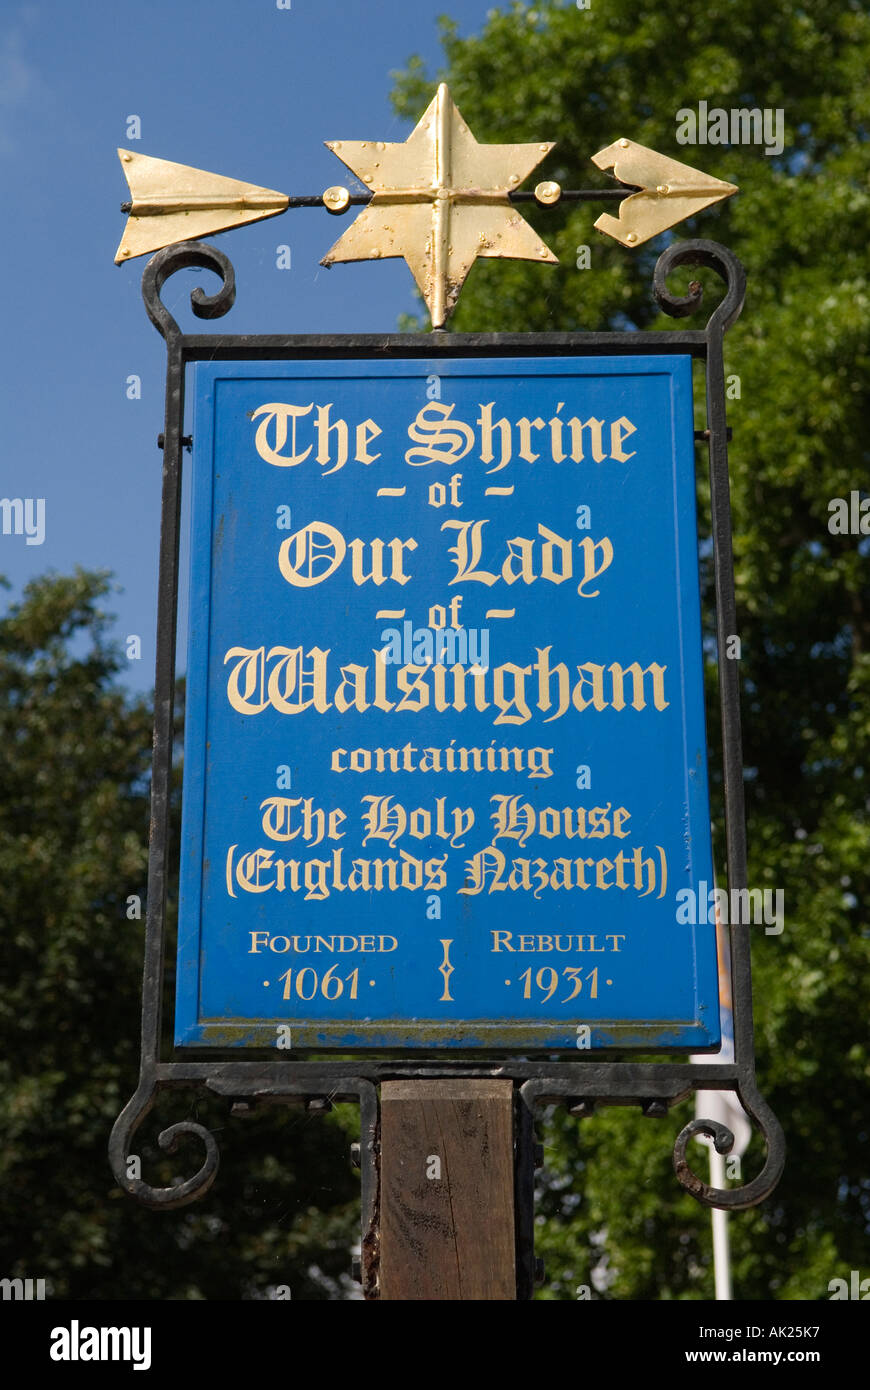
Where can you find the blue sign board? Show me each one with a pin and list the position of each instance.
(445, 779)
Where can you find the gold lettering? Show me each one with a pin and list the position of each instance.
(380, 700)
(577, 427)
(544, 674)
(638, 702)
(620, 430)
(436, 875)
(252, 664)
(365, 432)
(282, 868)
(383, 820)
(486, 864)
(525, 427)
(551, 540)
(277, 819)
(466, 559)
(280, 414)
(561, 877)
(556, 450)
(307, 551)
(589, 548)
(486, 429)
(290, 666)
(524, 555)
(249, 867)
(417, 687)
(518, 699)
(601, 868)
(442, 439)
(324, 429)
(376, 573)
(589, 671)
(519, 878)
(355, 676)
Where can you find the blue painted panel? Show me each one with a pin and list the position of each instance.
(445, 757)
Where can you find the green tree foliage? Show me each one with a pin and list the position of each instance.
(73, 835)
(613, 1215)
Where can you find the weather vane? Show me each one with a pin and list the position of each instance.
(438, 200)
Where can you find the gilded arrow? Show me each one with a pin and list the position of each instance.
(439, 200)
(669, 192)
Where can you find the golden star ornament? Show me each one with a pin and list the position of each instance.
(440, 200)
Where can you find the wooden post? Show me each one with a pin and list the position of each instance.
(447, 1228)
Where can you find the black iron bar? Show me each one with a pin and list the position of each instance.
(568, 195)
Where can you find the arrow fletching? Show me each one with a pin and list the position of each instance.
(174, 202)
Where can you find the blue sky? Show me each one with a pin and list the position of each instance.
(238, 87)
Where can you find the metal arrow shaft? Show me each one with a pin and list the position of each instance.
(359, 200)
(189, 202)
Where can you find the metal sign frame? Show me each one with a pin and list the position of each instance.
(591, 1078)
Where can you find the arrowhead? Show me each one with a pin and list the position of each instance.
(671, 192)
(174, 202)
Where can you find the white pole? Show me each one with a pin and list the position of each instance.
(721, 1250)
